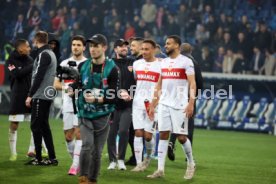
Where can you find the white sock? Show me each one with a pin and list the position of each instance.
(31, 147)
(44, 146)
(149, 147)
(138, 149)
(70, 147)
(162, 153)
(187, 148)
(76, 156)
(12, 141)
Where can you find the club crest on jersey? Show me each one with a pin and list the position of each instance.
(146, 70)
(130, 68)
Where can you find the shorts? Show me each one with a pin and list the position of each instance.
(70, 120)
(173, 120)
(20, 117)
(141, 120)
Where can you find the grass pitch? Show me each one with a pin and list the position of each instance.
(222, 157)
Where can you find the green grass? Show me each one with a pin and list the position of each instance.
(222, 158)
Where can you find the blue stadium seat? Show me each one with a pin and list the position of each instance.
(257, 113)
(266, 122)
(240, 112)
(200, 105)
(225, 113)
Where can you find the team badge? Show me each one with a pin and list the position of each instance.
(130, 68)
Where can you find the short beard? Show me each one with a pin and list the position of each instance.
(169, 52)
(122, 55)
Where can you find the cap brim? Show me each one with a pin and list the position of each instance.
(92, 41)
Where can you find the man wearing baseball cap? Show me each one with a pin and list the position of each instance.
(122, 114)
(99, 80)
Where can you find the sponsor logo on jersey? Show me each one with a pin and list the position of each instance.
(147, 76)
(173, 73)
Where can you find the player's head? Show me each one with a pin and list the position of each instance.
(120, 48)
(41, 38)
(78, 45)
(173, 44)
(97, 46)
(136, 46)
(148, 49)
(22, 46)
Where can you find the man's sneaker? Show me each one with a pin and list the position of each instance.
(156, 174)
(31, 155)
(190, 171)
(138, 168)
(34, 162)
(171, 154)
(121, 165)
(131, 161)
(49, 162)
(13, 157)
(73, 171)
(112, 166)
(146, 163)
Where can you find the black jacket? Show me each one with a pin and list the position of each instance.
(127, 80)
(20, 81)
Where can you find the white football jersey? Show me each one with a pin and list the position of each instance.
(67, 105)
(147, 75)
(175, 85)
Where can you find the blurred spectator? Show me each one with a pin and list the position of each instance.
(73, 18)
(206, 61)
(201, 35)
(218, 37)
(194, 18)
(244, 45)
(211, 26)
(113, 18)
(219, 60)
(182, 19)
(227, 41)
(96, 27)
(148, 12)
(242, 26)
(141, 28)
(240, 65)
(20, 27)
(206, 14)
(257, 61)
(35, 20)
(129, 31)
(270, 63)
(31, 10)
(65, 40)
(263, 37)
(228, 61)
(222, 21)
(20, 8)
(148, 35)
(76, 29)
(171, 28)
(160, 19)
(57, 20)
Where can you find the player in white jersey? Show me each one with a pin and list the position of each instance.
(70, 120)
(177, 80)
(147, 72)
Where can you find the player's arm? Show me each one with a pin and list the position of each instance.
(155, 99)
(192, 96)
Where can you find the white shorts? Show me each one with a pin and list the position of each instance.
(70, 120)
(20, 117)
(141, 120)
(173, 120)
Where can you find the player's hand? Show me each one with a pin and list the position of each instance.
(189, 110)
(151, 112)
(28, 102)
(89, 98)
(125, 96)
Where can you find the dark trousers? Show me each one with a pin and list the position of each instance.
(41, 128)
(93, 135)
(120, 126)
(190, 132)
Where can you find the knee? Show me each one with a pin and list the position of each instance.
(86, 145)
(139, 133)
(182, 139)
(123, 133)
(164, 135)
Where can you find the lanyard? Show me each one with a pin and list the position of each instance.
(92, 74)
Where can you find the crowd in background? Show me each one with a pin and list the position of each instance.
(237, 36)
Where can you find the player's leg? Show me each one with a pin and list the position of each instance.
(13, 140)
(138, 124)
(164, 127)
(74, 169)
(180, 127)
(68, 128)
